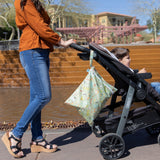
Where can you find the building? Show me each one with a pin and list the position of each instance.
(63, 19)
(114, 19)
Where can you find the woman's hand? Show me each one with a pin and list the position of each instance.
(66, 43)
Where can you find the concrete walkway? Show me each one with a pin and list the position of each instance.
(81, 144)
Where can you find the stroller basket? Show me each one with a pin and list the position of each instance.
(137, 119)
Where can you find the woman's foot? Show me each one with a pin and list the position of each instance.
(13, 145)
(42, 146)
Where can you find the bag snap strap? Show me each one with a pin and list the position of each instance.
(91, 57)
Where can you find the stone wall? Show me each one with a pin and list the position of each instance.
(66, 68)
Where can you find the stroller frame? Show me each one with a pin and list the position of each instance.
(111, 127)
(126, 110)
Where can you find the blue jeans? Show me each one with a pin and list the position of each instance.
(156, 86)
(36, 65)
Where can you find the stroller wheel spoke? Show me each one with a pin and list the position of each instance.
(112, 140)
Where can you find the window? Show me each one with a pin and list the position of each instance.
(113, 21)
(68, 21)
(85, 23)
(103, 21)
(80, 23)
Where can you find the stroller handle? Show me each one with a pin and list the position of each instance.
(79, 48)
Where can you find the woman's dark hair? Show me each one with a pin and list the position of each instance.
(37, 4)
(120, 52)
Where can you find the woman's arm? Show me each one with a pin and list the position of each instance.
(36, 23)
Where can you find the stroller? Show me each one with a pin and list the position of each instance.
(132, 87)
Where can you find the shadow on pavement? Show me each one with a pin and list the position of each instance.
(139, 138)
(76, 135)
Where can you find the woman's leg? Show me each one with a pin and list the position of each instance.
(36, 122)
(35, 64)
(36, 127)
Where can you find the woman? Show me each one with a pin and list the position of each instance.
(36, 42)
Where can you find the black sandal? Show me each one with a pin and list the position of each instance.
(7, 141)
(38, 147)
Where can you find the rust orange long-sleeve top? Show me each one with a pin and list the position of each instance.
(36, 32)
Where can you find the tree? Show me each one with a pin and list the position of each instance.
(55, 8)
(7, 14)
(154, 25)
(12, 28)
(149, 8)
(58, 8)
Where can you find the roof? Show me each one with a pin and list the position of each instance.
(104, 13)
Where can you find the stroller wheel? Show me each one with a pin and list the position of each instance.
(112, 146)
(97, 130)
(153, 130)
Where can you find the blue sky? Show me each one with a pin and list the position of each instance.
(115, 6)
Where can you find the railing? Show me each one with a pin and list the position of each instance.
(98, 34)
(9, 45)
